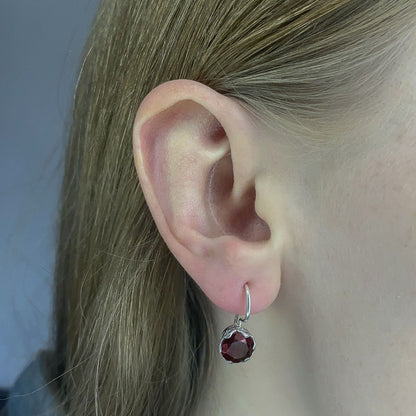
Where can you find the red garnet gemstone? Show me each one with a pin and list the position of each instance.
(237, 348)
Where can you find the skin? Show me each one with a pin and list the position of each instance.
(331, 265)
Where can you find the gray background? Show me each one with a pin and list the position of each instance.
(41, 43)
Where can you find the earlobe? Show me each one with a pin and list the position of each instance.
(197, 167)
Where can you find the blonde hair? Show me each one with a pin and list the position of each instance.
(134, 334)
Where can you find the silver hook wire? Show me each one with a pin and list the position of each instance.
(237, 319)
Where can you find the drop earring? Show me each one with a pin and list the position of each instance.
(237, 344)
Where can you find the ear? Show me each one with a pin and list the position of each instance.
(196, 155)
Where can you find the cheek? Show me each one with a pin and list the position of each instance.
(387, 197)
(365, 259)
(382, 224)
(376, 222)
(367, 236)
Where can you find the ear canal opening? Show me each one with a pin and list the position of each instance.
(238, 218)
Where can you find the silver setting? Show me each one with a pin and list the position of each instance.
(237, 327)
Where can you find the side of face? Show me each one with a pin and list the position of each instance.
(357, 284)
(338, 230)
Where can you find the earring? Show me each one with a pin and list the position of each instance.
(237, 344)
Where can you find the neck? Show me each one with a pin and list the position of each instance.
(313, 358)
(275, 380)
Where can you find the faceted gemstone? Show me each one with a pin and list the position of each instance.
(237, 348)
